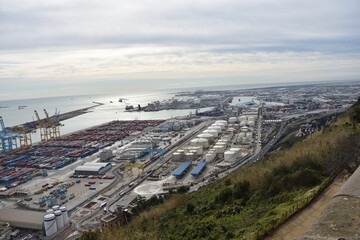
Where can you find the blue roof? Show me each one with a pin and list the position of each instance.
(198, 168)
(181, 169)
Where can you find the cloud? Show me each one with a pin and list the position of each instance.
(64, 44)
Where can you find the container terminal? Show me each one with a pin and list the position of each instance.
(63, 186)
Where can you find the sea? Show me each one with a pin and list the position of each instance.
(111, 109)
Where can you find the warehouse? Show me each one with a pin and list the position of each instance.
(22, 218)
(92, 169)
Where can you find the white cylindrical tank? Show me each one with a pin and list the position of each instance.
(209, 157)
(190, 157)
(207, 136)
(251, 123)
(64, 215)
(213, 132)
(203, 142)
(242, 134)
(181, 151)
(229, 156)
(50, 224)
(55, 208)
(222, 121)
(59, 220)
(219, 148)
(243, 123)
(242, 118)
(249, 135)
(177, 156)
(222, 126)
(232, 119)
(49, 211)
(251, 118)
(237, 126)
(244, 129)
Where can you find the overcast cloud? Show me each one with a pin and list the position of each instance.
(57, 47)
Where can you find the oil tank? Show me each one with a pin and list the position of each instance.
(190, 157)
(207, 136)
(203, 142)
(232, 119)
(242, 118)
(209, 157)
(50, 211)
(219, 148)
(249, 135)
(50, 224)
(177, 157)
(243, 123)
(242, 135)
(64, 215)
(244, 129)
(55, 208)
(59, 219)
(251, 123)
(229, 156)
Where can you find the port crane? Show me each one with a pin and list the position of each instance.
(55, 125)
(25, 136)
(45, 130)
(129, 166)
(8, 139)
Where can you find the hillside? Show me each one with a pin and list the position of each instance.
(252, 200)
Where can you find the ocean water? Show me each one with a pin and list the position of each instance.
(13, 116)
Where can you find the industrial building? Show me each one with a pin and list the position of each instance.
(22, 218)
(93, 169)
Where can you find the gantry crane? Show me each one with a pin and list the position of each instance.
(129, 166)
(55, 125)
(25, 136)
(8, 140)
(45, 131)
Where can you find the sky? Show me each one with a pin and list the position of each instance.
(70, 47)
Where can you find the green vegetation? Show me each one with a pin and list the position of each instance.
(255, 197)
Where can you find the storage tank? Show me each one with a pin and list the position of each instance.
(219, 148)
(243, 123)
(213, 132)
(64, 215)
(50, 224)
(237, 126)
(55, 208)
(50, 211)
(59, 219)
(181, 151)
(242, 118)
(244, 129)
(222, 126)
(177, 156)
(251, 123)
(190, 157)
(232, 119)
(242, 134)
(207, 136)
(229, 156)
(249, 135)
(198, 150)
(203, 142)
(209, 157)
(222, 122)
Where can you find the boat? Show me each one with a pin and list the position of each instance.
(120, 99)
(111, 101)
(129, 107)
(21, 107)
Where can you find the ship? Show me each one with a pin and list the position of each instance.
(130, 107)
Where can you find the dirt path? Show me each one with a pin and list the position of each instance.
(297, 225)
